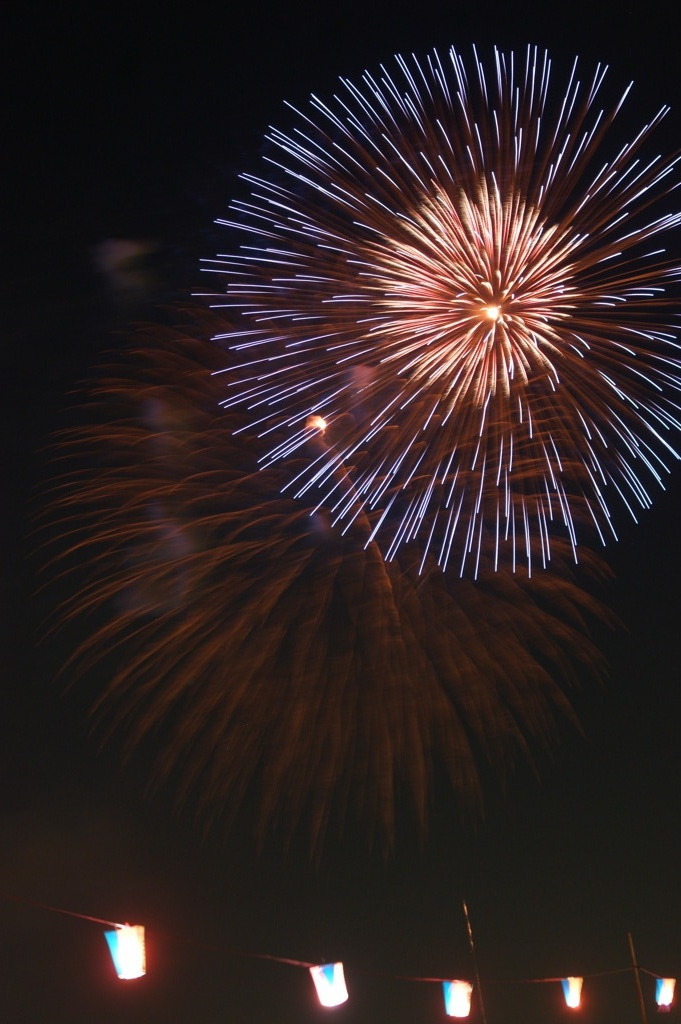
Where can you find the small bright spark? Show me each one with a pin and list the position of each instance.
(316, 423)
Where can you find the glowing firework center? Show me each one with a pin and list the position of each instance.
(470, 302)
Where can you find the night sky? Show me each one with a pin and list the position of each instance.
(136, 125)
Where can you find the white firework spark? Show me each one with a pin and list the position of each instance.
(460, 273)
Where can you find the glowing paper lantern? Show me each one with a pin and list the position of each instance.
(572, 987)
(329, 981)
(126, 945)
(457, 998)
(664, 993)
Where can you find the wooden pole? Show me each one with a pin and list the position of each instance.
(471, 944)
(637, 980)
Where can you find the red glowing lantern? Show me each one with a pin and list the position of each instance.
(126, 945)
(457, 998)
(664, 993)
(329, 980)
(572, 988)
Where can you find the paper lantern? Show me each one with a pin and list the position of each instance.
(126, 945)
(572, 987)
(664, 993)
(329, 981)
(457, 998)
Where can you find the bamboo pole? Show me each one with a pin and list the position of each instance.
(637, 980)
(471, 944)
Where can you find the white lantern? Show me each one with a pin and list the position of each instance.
(664, 993)
(457, 998)
(329, 980)
(126, 945)
(572, 988)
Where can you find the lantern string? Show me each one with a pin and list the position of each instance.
(520, 981)
(60, 910)
(176, 938)
(541, 981)
(233, 951)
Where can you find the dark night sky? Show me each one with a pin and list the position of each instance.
(136, 125)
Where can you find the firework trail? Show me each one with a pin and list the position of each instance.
(461, 270)
(252, 653)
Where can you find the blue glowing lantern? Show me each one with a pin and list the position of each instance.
(457, 998)
(126, 945)
(572, 988)
(329, 980)
(664, 993)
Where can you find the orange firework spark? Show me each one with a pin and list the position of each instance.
(249, 647)
(461, 271)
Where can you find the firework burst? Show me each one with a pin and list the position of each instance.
(460, 270)
(251, 652)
